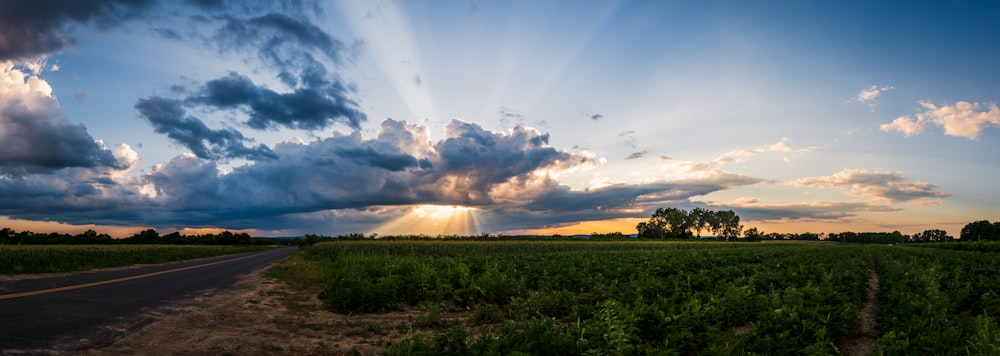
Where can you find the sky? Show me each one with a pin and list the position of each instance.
(514, 117)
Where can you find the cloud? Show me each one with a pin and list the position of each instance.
(80, 96)
(509, 175)
(888, 186)
(278, 38)
(636, 155)
(36, 135)
(310, 108)
(905, 125)
(169, 117)
(509, 117)
(29, 29)
(753, 210)
(741, 155)
(868, 95)
(962, 119)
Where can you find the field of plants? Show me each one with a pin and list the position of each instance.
(18, 259)
(640, 297)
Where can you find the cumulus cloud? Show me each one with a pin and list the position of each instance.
(35, 133)
(509, 175)
(888, 186)
(33, 28)
(169, 117)
(741, 155)
(962, 119)
(905, 125)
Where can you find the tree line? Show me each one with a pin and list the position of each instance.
(149, 236)
(981, 230)
(673, 223)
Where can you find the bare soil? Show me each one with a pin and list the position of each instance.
(863, 341)
(260, 315)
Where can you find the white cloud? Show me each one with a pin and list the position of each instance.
(962, 119)
(868, 95)
(890, 187)
(907, 126)
(741, 155)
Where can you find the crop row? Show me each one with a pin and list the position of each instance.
(939, 301)
(17, 259)
(555, 297)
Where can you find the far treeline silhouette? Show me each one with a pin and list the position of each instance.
(673, 223)
(665, 223)
(145, 237)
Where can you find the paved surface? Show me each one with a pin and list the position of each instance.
(109, 303)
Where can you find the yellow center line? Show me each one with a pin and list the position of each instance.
(92, 284)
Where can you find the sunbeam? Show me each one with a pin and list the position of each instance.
(433, 220)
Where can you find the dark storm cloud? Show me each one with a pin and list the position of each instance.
(483, 158)
(31, 28)
(303, 108)
(339, 180)
(296, 51)
(168, 117)
(562, 199)
(72, 195)
(206, 4)
(369, 157)
(277, 37)
(36, 136)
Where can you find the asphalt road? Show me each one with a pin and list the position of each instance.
(92, 309)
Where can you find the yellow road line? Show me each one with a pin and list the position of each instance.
(85, 285)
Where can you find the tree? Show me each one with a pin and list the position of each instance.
(934, 235)
(753, 234)
(678, 223)
(978, 231)
(700, 219)
(666, 223)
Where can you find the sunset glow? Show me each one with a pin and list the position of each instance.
(433, 220)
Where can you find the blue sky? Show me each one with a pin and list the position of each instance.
(496, 116)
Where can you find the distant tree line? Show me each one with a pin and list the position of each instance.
(673, 223)
(149, 236)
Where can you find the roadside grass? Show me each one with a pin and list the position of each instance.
(31, 259)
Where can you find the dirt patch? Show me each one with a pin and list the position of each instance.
(742, 329)
(261, 315)
(864, 339)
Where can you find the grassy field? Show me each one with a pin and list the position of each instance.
(22, 259)
(636, 297)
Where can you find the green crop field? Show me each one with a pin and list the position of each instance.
(639, 297)
(19, 259)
